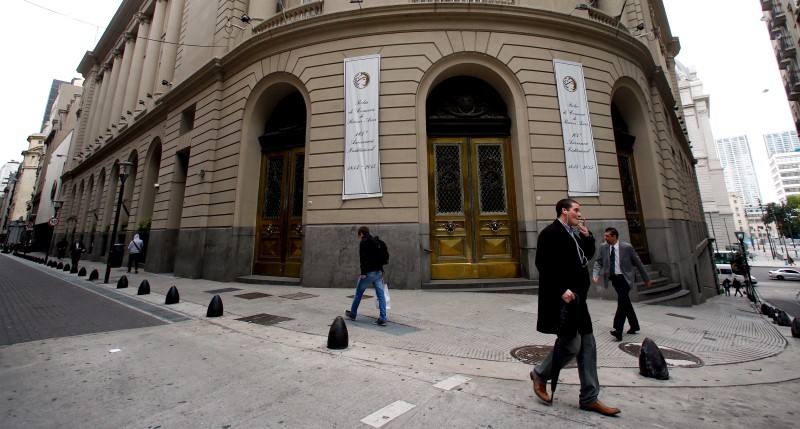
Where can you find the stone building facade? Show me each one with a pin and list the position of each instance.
(237, 111)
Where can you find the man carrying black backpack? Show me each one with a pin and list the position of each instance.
(373, 255)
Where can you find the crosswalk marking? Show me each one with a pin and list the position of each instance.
(387, 413)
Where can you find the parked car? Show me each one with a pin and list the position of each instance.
(724, 271)
(784, 274)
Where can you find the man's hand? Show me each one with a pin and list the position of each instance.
(568, 296)
(582, 228)
(363, 276)
(596, 279)
(648, 284)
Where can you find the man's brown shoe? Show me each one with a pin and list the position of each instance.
(540, 389)
(599, 407)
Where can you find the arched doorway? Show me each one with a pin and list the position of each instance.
(631, 198)
(279, 221)
(470, 180)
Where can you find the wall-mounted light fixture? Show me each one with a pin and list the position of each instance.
(149, 95)
(128, 112)
(166, 82)
(141, 102)
(201, 173)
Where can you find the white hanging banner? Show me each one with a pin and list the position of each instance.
(362, 164)
(576, 127)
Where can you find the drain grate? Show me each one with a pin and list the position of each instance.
(681, 316)
(253, 295)
(362, 296)
(299, 295)
(534, 355)
(227, 289)
(672, 356)
(264, 319)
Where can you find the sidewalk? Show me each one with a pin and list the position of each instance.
(474, 333)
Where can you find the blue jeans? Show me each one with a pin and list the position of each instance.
(373, 278)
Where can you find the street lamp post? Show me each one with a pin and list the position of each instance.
(57, 206)
(749, 282)
(123, 174)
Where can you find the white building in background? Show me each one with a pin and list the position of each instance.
(710, 175)
(785, 172)
(740, 173)
(782, 142)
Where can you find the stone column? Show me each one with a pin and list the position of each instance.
(169, 52)
(122, 83)
(150, 66)
(105, 124)
(89, 109)
(100, 104)
(135, 78)
(260, 10)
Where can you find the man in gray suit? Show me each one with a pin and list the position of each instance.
(617, 262)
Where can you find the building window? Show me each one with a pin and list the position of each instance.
(187, 119)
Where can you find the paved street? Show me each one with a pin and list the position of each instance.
(36, 304)
(225, 372)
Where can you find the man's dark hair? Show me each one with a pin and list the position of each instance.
(613, 232)
(363, 230)
(566, 203)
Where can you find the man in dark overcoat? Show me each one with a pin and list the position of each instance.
(563, 252)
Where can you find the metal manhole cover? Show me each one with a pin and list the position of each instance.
(672, 356)
(299, 295)
(362, 296)
(264, 319)
(227, 289)
(253, 295)
(533, 355)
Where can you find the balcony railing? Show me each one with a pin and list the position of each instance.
(778, 15)
(299, 13)
(787, 46)
(766, 5)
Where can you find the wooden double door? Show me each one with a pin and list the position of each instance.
(279, 229)
(473, 222)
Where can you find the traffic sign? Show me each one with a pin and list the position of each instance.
(53, 221)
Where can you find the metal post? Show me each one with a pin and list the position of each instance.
(57, 205)
(123, 166)
(711, 221)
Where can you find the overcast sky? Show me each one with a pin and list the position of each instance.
(723, 39)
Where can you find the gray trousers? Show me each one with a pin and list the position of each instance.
(584, 348)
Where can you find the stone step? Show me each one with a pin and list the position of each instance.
(269, 280)
(482, 285)
(524, 290)
(655, 290)
(679, 298)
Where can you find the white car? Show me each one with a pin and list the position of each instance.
(784, 274)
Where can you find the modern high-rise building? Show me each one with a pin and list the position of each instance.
(696, 106)
(740, 173)
(785, 172)
(781, 142)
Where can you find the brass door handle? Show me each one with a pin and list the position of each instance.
(494, 225)
(298, 228)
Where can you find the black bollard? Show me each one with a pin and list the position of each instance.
(60, 265)
(66, 267)
(122, 283)
(94, 275)
(796, 327)
(215, 307)
(337, 337)
(651, 361)
(173, 297)
(82, 272)
(144, 288)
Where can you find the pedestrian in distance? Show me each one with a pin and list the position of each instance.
(134, 251)
(726, 284)
(737, 285)
(61, 248)
(617, 263)
(371, 274)
(563, 251)
(75, 251)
